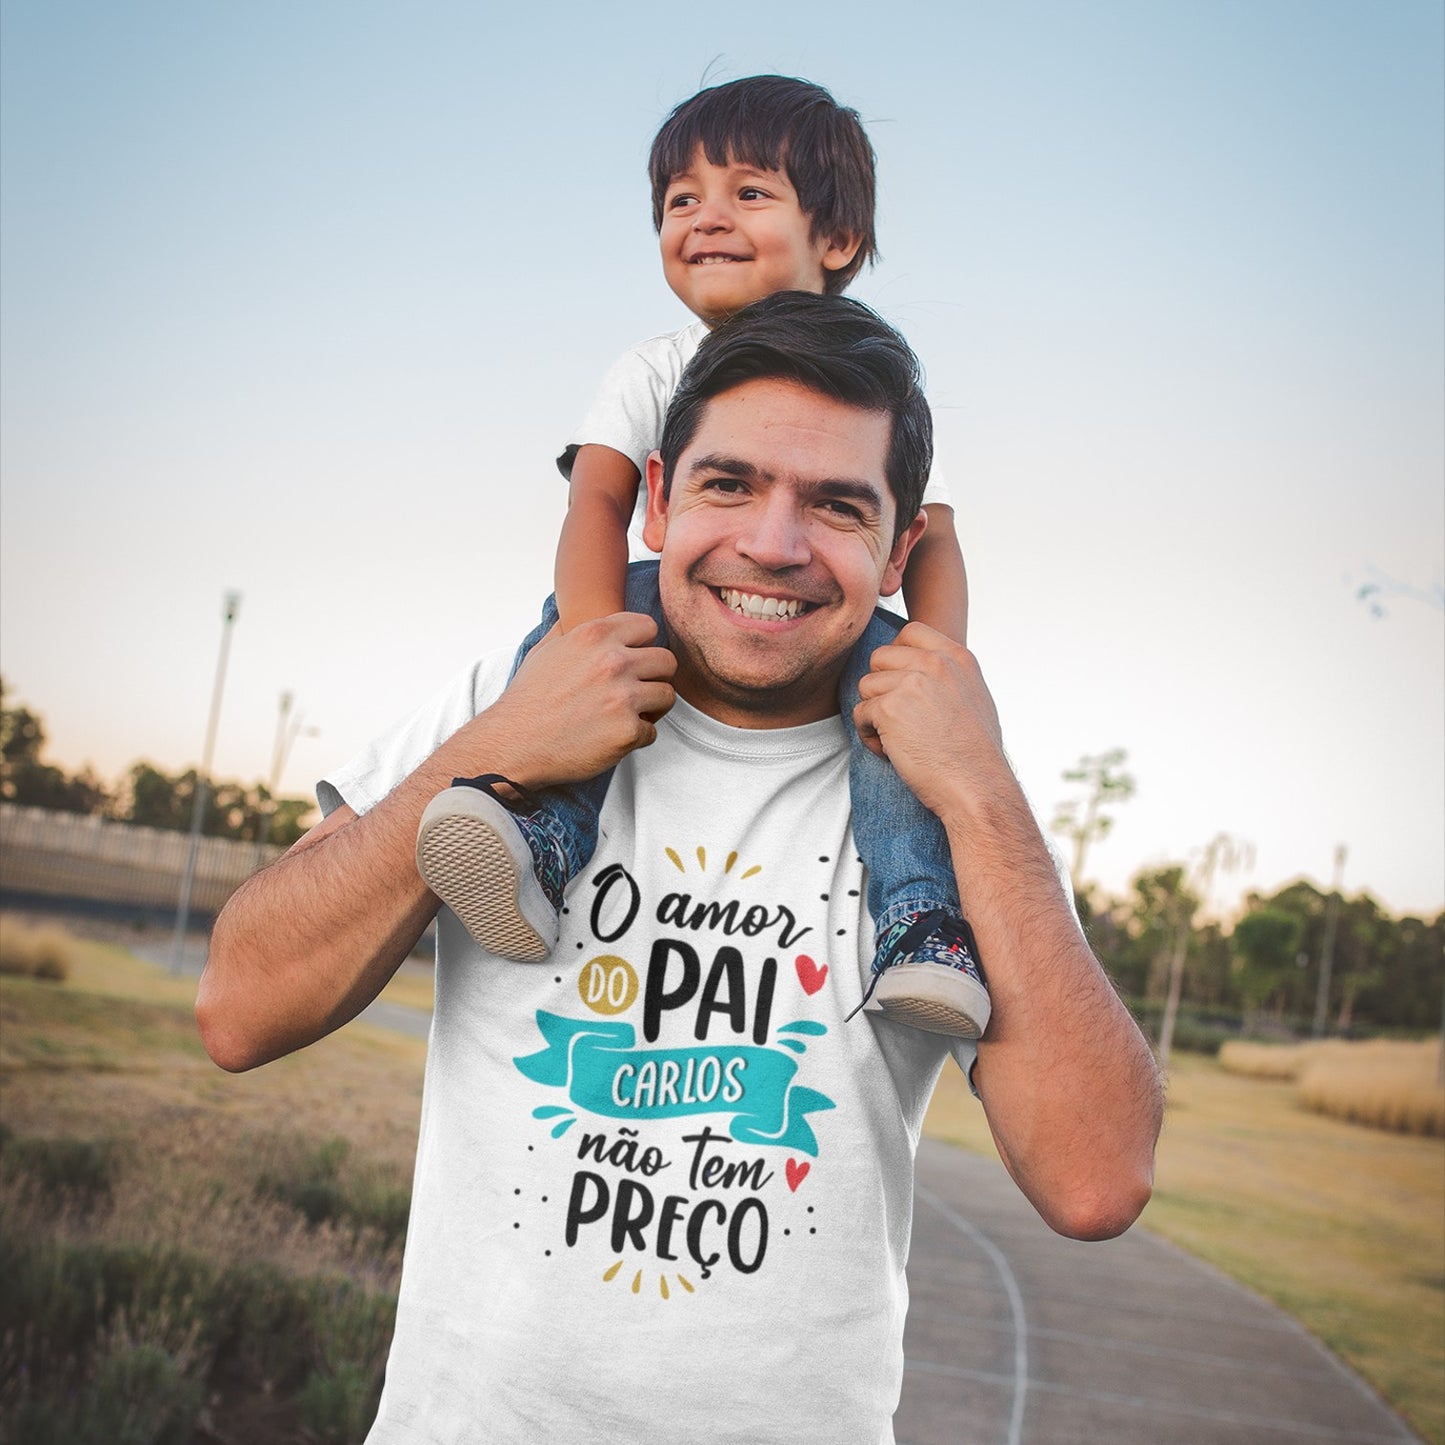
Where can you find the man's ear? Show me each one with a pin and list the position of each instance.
(892, 578)
(654, 527)
(841, 250)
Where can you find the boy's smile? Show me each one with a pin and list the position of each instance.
(776, 541)
(733, 234)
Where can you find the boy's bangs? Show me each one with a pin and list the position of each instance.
(734, 142)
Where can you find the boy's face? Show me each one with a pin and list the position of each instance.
(733, 234)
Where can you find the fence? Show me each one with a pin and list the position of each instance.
(68, 860)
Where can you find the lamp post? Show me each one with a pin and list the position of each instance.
(286, 735)
(231, 604)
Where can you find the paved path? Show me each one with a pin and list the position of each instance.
(1018, 1337)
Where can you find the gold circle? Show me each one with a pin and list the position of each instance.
(607, 984)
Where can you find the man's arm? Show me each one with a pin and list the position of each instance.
(1070, 1088)
(306, 944)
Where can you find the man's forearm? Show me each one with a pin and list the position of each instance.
(306, 944)
(1068, 1083)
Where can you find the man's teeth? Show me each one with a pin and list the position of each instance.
(759, 609)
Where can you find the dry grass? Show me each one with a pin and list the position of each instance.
(1381, 1083)
(267, 1189)
(1264, 1061)
(1387, 1086)
(99, 965)
(31, 951)
(1343, 1227)
(193, 1141)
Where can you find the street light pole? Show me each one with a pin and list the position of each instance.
(286, 735)
(230, 606)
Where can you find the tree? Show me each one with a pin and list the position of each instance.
(26, 780)
(1164, 912)
(1266, 943)
(1106, 782)
(146, 796)
(1222, 851)
(154, 799)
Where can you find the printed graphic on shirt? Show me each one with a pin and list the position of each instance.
(697, 1012)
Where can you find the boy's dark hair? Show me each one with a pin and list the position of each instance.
(833, 344)
(780, 124)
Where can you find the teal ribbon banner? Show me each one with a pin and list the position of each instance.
(603, 1071)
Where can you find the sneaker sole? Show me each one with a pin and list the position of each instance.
(466, 862)
(934, 998)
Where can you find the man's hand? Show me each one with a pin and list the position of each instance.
(583, 700)
(925, 707)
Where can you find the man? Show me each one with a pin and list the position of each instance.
(664, 1188)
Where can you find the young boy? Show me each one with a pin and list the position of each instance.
(759, 186)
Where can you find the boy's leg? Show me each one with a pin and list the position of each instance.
(501, 858)
(926, 970)
(568, 815)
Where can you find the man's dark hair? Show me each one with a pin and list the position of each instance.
(780, 124)
(830, 343)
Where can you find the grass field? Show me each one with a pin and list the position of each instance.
(1341, 1225)
(191, 1256)
(1388, 1083)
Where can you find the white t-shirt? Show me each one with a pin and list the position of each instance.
(663, 1192)
(629, 409)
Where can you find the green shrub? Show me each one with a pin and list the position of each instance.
(119, 1344)
(338, 1407)
(310, 1179)
(80, 1170)
(139, 1396)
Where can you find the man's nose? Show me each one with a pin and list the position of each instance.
(773, 534)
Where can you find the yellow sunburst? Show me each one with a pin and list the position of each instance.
(676, 859)
(612, 1271)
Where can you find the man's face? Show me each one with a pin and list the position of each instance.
(776, 542)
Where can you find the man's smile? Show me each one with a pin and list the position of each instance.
(760, 607)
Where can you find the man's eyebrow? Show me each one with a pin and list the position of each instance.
(849, 489)
(738, 467)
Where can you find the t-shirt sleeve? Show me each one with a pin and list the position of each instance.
(397, 753)
(627, 412)
(937, 492)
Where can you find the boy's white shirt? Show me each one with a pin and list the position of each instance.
(627, 414)
(713, 839)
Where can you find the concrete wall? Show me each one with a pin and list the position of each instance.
(45, 854)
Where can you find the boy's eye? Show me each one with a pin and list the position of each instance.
(752, 193)
(679, 201)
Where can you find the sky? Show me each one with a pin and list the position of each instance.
(302, 300)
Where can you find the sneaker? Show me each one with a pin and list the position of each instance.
(492, 868)
(935, 984)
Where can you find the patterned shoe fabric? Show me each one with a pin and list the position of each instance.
(477, 857)
(929, 976)
(548, 864)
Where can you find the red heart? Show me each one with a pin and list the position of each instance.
(810, 974)
(796, 1174)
